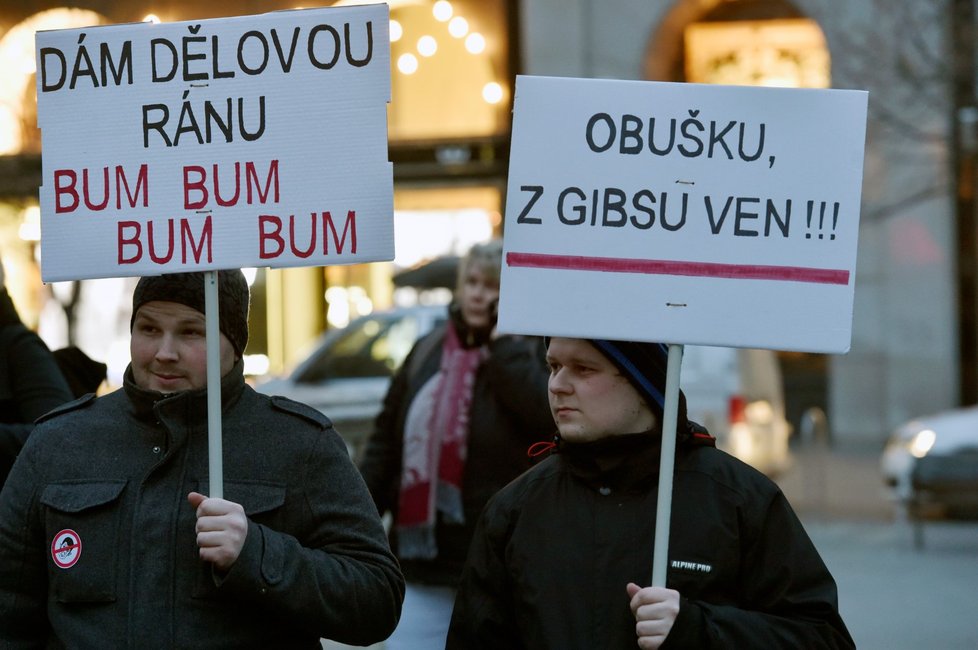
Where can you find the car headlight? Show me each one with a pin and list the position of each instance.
(921, 443)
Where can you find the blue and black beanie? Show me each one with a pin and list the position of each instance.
(644, 366)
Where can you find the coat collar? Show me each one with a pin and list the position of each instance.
(151, 405)
(624, 462)
(627, 462)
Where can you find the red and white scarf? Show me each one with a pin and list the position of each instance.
(435, 444)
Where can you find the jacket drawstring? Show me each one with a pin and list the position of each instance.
(541, 447)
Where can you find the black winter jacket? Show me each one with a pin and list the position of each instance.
(556, 548)
(31, 383)
(509, 412)
(113, 473)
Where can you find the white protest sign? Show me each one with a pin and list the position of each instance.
(212, 144)
(683, 213)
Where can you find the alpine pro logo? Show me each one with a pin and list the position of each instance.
(66, 548)
(692, 567)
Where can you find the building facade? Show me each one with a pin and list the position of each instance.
(904, 359)
(449, 119)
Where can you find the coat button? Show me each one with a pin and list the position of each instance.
(604, 490)
(157, 450)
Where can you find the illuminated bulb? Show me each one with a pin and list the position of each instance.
(442, 10)
(151, 18)
(922, 443)
(427, 45)
(458, 27)
(255, 364)
(30, 229)
(407, 63)
(760, 411)
(492, 92)
(396, 31)
(475, 43)
(364, 305)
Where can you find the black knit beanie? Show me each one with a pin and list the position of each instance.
(644, 366)
(188, 289)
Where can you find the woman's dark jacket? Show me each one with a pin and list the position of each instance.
(509, 412)
(556, 548)
(31, 384)
(117, 469)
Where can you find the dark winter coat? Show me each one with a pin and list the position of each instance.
(509, 412)
(556, 548)
(113, 474)
(31, 384)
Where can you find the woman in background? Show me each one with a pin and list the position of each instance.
(455, 427)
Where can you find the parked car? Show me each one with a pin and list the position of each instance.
(930, 463)
(736, 394)
(347, 374)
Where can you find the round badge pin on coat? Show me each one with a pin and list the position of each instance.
(66, 548)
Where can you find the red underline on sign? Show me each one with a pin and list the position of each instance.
(668, 267)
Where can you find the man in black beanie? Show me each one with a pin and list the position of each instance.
(559, 553)
(107, 539)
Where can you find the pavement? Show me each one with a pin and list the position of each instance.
(895, 596)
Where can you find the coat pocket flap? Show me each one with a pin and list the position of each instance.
(254, 496)
(75, 497)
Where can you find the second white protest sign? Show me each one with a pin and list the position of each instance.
(683, 213)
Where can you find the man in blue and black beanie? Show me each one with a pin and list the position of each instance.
(560, 553)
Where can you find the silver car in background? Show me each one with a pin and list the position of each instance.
(347, 374)
(930, 464)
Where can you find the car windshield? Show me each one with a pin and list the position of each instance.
(371, 347)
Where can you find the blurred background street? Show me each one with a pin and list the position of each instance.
(894, 597)
(891, 595)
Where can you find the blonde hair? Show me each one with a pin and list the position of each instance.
(488, 256)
